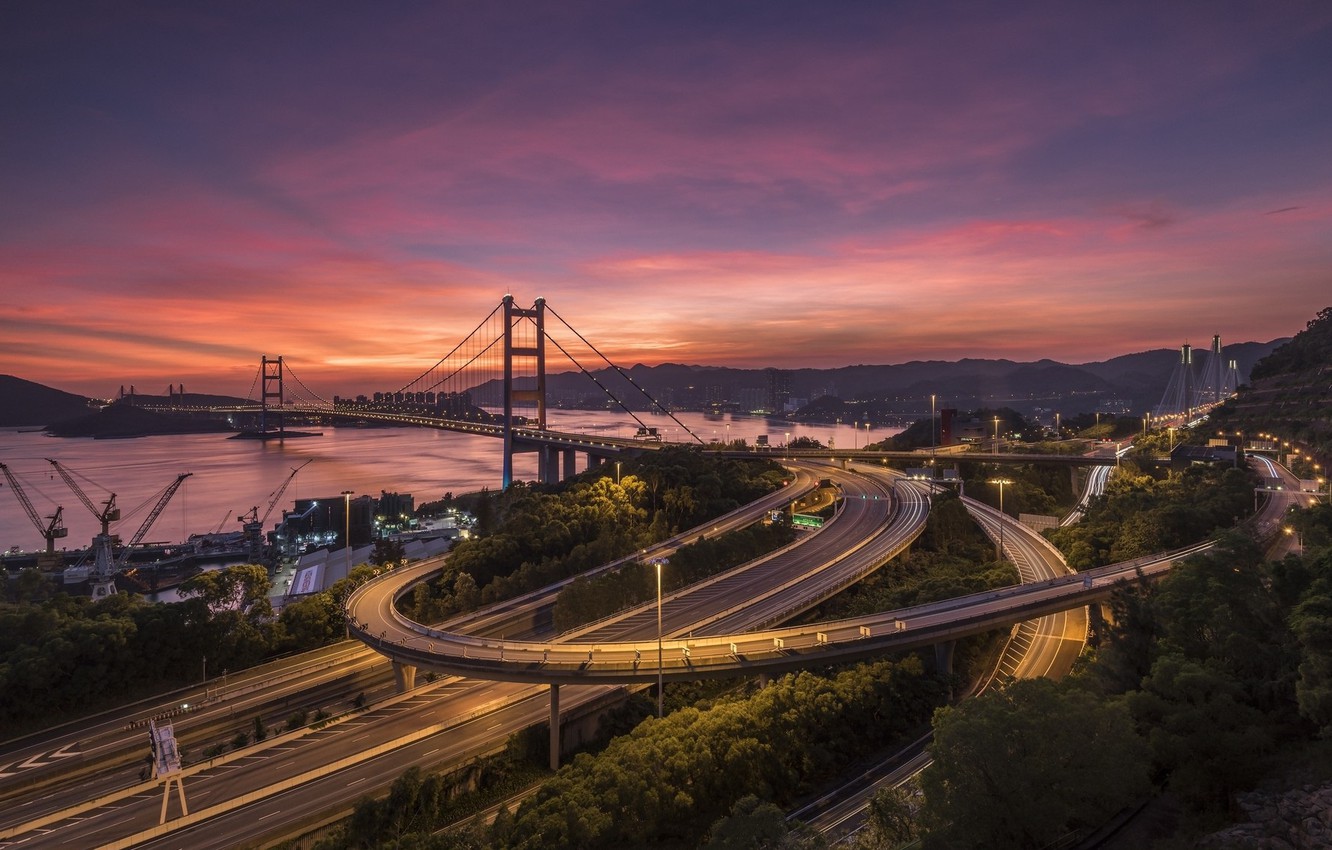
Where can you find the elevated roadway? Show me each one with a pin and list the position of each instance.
(772, 651)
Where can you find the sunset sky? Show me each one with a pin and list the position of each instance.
(186, 186)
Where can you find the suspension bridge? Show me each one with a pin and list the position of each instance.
(492, 383)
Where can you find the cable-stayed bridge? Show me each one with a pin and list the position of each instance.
(1188, 394)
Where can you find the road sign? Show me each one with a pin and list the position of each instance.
(807, 521)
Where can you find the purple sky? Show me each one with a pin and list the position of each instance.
(354, 186)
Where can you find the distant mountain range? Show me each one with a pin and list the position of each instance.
(1133, 383)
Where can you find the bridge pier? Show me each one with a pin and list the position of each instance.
(1096, 620)
(570, 463)
(548, 465)
(943, 657)
(404, 676)
(554, 727)
(943, 662)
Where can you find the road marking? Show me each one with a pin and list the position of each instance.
(270, 814)
(354, 781)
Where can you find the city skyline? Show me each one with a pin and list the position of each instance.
(777, 185)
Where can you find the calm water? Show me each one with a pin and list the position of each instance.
(235, 475)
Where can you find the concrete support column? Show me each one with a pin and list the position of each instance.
(554, 727)
(764, 680)
(404, 676)
(570, 463)
(549, 465)
(593, 461)
(1096, 620)
(943, 657)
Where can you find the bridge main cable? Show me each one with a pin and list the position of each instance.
(622, 374)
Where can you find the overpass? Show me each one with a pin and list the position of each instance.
(374, 618)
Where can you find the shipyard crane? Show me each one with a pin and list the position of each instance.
(106, 515)
(105, 564)
(49, 531)
(253, 524)
(218, 530)
(162, 499)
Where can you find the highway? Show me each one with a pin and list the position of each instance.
(334, 766)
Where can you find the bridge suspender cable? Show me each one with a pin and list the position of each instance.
(313, 396)
(622, 374)
(445, 358)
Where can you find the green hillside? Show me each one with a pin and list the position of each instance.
(1290, 390)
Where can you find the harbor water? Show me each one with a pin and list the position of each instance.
(230, 477)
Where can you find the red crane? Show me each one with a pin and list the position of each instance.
(49, 531)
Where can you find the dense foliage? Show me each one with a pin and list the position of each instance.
(1139, 514)
(534, 535)
(667, 782)
(63, 655)
(1023, 766)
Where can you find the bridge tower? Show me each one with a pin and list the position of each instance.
(1186, 366)
(271, 372)
(530, 347)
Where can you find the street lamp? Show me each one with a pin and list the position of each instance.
(1057, 435)
(661, 694)
(999, 550)
(996, 435)
(1299, 541)
(346, 525)
(867, 434)
(933, 441)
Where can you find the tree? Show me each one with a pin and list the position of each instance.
(756, 825)
(751, 825)
(240, 587)
(1023, 766)
(1204, 736)
(388, 553)
(1312, 624)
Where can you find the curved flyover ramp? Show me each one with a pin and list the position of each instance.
(879, 517)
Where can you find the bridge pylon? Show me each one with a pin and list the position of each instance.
(529, 346)
(270, 371)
